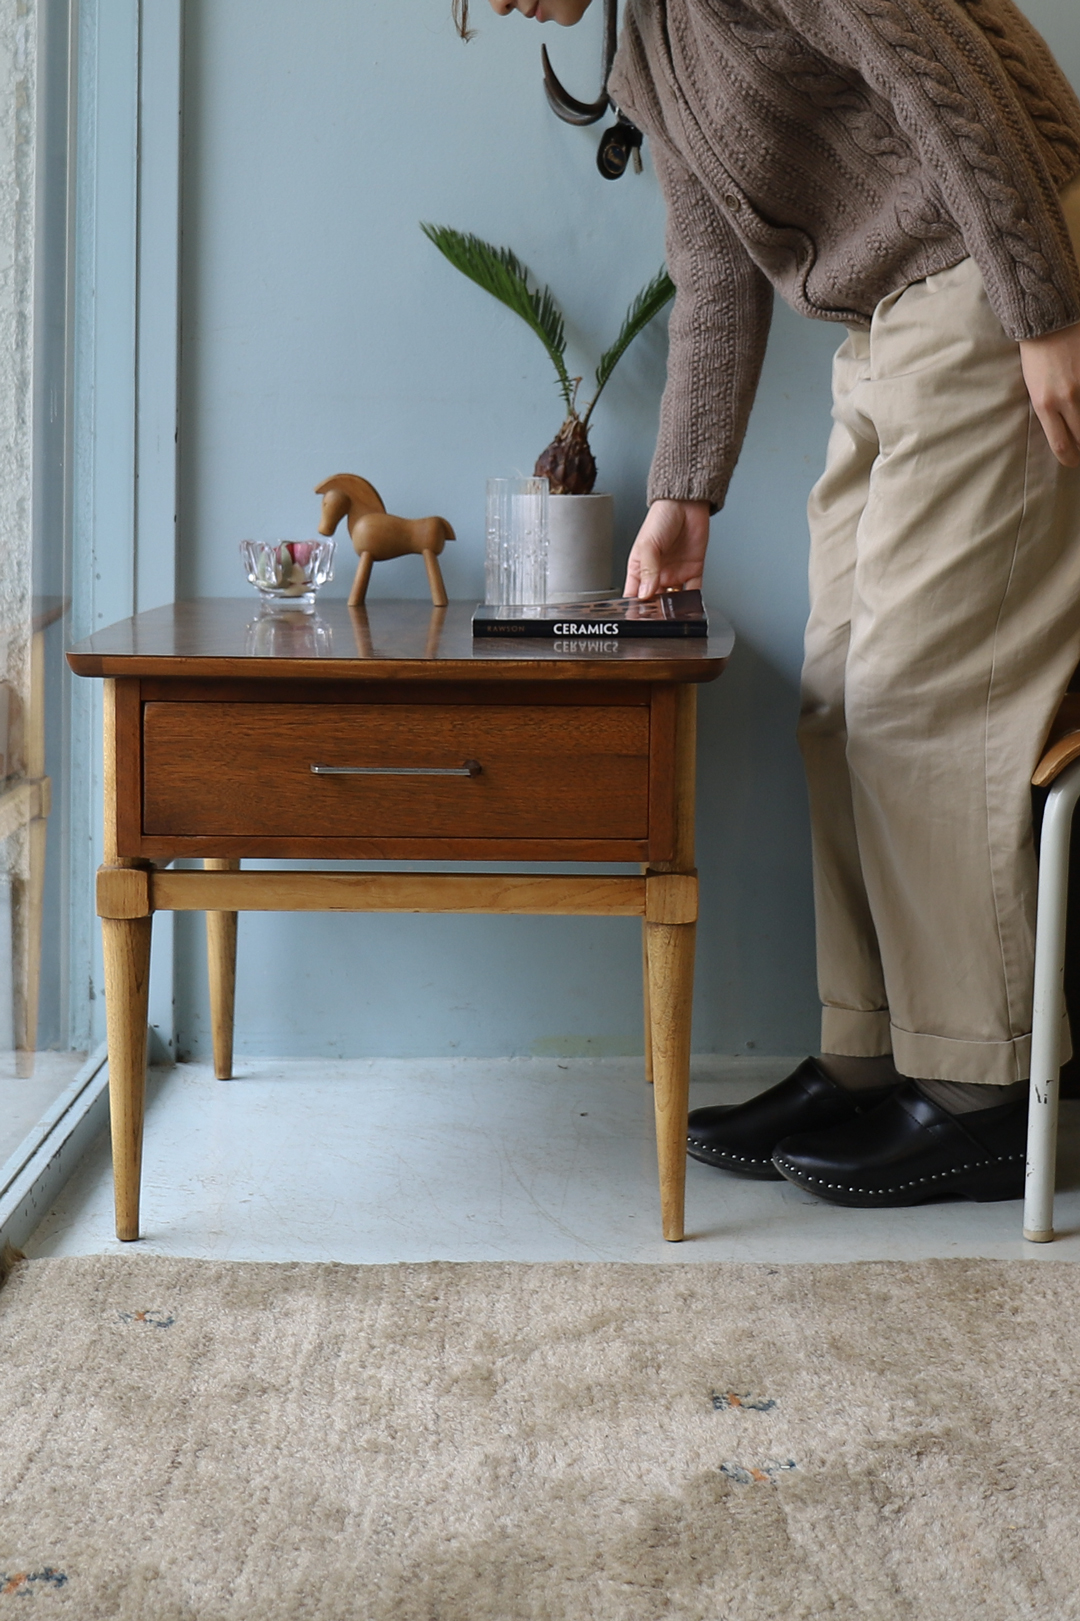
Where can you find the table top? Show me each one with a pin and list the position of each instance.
(223, 638)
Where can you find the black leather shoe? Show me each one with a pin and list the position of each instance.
(741, 1137)
(909, 1151)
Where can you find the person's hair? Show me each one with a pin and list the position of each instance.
(461, 18)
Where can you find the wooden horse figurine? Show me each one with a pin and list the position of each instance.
(377, 535)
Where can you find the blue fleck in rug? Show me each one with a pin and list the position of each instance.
(202, 1441)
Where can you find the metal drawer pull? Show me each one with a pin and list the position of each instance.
(471, 768)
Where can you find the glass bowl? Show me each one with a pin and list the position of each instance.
(288, 571)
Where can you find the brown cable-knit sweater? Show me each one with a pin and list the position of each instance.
(838, 150)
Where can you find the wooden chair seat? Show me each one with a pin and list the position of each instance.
(1063, 742)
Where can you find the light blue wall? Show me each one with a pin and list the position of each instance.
(321, 332)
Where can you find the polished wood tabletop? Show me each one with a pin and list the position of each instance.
(222, 638)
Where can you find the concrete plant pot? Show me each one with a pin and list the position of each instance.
(581, 534)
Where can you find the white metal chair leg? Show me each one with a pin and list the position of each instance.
(1049, 1005)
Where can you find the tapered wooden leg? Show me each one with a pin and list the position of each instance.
(31, 900)
(221, 957)
(127, 988)
(647, 1000)
(360, 583)
(439, 597)
(671, 994)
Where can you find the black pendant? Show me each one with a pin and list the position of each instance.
(619, 144)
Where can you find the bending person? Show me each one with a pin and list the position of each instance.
(909, 169)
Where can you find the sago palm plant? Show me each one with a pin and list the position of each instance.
(568, 461)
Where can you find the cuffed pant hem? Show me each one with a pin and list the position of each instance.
(978, 1063)
(855, 1032)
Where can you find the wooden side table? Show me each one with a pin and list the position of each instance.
(387, 733)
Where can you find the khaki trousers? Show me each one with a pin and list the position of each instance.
(944, 627)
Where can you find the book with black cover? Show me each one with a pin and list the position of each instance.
(675, 613)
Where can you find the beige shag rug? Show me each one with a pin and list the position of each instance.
(200, 1441)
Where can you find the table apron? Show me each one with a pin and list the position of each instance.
(131, 892)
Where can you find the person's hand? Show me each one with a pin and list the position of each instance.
(669, 551)
(1052, 373)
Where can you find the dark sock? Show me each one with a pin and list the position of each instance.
(859, 1074)
(958, 1097)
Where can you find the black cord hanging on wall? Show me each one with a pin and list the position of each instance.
(621, 144)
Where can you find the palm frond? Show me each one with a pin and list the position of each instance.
(648, 304)
(501, 273)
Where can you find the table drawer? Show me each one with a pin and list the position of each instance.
(552, 772)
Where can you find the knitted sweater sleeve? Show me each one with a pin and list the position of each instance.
(716, 343)
(951, 91)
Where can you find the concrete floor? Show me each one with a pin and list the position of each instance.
(466, 1160)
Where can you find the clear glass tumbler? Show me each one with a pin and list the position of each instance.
(517, 541)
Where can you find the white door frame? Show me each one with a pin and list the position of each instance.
(127, 321)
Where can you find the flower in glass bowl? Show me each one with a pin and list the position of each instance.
(288, 571)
